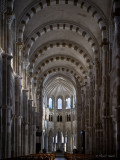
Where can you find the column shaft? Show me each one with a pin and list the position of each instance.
(117, 53)
(25, 123)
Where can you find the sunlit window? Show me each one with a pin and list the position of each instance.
(50, 103)
(59, 104)
(62, 138)
(68, 103)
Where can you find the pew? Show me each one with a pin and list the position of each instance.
(70, 156)
(40, 156)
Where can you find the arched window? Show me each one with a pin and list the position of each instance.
(60, 118)
(68, 103)
(69, 118)
(59, 103)
(51, 118)
(50, 103)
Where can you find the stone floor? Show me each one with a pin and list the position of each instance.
(60, 158)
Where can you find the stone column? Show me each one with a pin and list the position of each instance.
(42, 145)
(34, 130)
(10, 18)
(104, 95)
(4, 132)
(13, 147)
(96, 111)
(24, 75)
(18, 115)
(0, 132)
(118, 132)
(91, 121)
(9, 132)
(46, 142)
(10, 91)
(0, 103)
(78, 110)
(7, 89)
(25, 122)
(117, 53)
(30, 138)
(17, 125)
(18, 58)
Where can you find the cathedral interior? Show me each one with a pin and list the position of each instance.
(59, 77)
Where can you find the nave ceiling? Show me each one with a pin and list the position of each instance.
(61, 37)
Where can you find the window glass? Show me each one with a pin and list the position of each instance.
(50, 103)
(59, 103)
(68, 103)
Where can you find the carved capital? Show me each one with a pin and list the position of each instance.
(30, 75)
(20, 45)
(10, 18)
(8, 56)
(104, 44)
(25, 90)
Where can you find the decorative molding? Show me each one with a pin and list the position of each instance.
(59, 69)
(10, 18)
(51, 59)
(62, 25)
(58, 43)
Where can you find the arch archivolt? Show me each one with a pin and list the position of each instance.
(42, 50)
(60, 25)
(40, 65)
(57, 70)
(77, 64)
(34, 8)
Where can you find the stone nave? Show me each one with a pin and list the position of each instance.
(59, 77)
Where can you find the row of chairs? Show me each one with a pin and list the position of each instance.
(40, 156)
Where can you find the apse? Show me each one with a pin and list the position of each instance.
(59, 114)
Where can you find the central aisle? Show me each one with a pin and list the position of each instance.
(59, 156)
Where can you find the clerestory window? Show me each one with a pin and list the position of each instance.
(50, 103)
(59, 103)
(68, 103)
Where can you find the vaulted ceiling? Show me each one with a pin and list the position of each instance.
(61, 38)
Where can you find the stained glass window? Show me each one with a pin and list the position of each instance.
(50, 103)
(59, 103)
